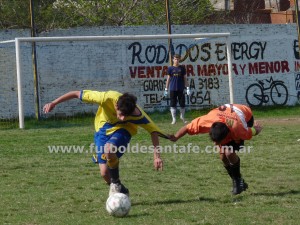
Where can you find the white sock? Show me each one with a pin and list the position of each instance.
(173, 113)
(182, 113)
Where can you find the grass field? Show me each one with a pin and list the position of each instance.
(39, 187)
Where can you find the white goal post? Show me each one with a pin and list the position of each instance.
(19, 40)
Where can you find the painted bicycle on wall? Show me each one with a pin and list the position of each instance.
(257, 93)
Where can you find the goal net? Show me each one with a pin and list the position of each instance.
(125, 63)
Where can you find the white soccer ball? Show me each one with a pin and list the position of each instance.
(118, 205)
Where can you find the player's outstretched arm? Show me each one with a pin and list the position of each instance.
(70, 95)
(180, 133)
(158, 162)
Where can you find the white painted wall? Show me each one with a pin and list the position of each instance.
(259, 52)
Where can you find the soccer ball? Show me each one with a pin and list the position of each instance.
(118, 205)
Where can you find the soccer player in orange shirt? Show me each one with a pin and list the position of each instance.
(228, 126)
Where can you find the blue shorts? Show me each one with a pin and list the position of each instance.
(119, 138)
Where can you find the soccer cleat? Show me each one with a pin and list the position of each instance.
(173, 122)
(118, 188)
(114, 188)
(183, 119)
(124, 190)
(238, 186)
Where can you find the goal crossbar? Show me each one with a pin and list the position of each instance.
(122, 37)
(111, 38)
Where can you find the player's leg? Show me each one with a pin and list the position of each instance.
(109, 143)
(181, 99)
(100, 139)
(114, 149)
(104, 172)
(173, 103)
(226, 163)
(113, 168)
(231, 163)
(112, 163)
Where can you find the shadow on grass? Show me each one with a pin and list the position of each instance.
(138, 215)
(291, 192)
(176, 201)
(238, 198)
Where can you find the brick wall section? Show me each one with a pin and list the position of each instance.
(283, 17)
(260, 52)
(259, 11)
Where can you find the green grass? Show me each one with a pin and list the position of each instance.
(37, 187)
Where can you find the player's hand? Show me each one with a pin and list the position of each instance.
(48, 107)
(257, 127)
(158, 164)
(172, 138)
(166, 92)
(188, 91)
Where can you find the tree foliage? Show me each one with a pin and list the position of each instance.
(50, 14)
(14, 14)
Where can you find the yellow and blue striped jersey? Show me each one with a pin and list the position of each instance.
(106, 114)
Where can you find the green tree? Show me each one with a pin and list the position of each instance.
(50, 14)
(14, 14)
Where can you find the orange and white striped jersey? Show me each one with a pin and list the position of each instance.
(235, 116)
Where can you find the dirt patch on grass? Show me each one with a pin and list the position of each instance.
(281, 121)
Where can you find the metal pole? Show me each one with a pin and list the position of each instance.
(34, 63)
(19, 82)
(230, 79)
(121, 37)
(169, 31)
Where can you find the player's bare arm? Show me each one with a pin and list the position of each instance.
(167, 86)
(158, 162)
(180, 133)
(168, 82)
(70, 95)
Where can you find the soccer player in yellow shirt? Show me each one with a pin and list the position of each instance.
(116, 120)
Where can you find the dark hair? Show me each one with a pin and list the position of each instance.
(176, 56)
(126, 104)
(218, 131)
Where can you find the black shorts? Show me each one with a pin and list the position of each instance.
(177, 96)
(237, 146)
